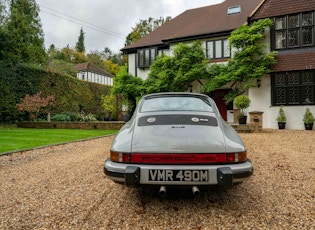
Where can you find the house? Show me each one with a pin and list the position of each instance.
(88, 72)
(293, 35)
(292, 82)
(212, 25)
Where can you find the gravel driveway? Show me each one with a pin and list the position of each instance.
(64, 187)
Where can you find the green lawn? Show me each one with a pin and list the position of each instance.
(12, 139)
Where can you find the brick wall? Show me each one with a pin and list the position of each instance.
(116, 125)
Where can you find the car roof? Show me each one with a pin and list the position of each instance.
(170, 94)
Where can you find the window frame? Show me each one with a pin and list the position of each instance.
(283, 32)
(211, 51)
(146, 57)
(302, 84)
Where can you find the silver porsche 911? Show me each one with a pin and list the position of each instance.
(177, 139)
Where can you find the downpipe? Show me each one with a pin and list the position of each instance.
(195, 191)
(162, 191)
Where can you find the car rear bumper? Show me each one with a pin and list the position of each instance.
(135, 175)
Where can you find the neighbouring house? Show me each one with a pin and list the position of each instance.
(292, 82)
(88, 72)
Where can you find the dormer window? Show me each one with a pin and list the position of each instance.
(234, 10)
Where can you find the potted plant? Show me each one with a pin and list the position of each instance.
(242, 102)
(281, 118)
(109, 105)
(126, 108)
(308, 119)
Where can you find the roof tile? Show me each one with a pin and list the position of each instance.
(272, 8)
(200, 21)
(91, 68)
(295, 61)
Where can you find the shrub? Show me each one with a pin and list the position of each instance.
(87, 117)
(281, 116)
(242, 102)
(308, 117)
(74, 116)
(61, 117)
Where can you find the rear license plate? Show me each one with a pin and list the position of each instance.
(178, 175)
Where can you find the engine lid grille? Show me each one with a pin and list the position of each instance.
(178, 120)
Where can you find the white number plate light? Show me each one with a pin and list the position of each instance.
(178, 175)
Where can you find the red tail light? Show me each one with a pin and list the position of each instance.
(171, 158)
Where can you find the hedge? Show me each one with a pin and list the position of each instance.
(71, 93)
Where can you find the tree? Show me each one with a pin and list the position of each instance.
(96, 58)
(177, 73)
(2, 13)
(107, 53)
(5, 43)
(128, 87)
(248, 64)
(145, 27)
(35, 103)
(80, 44)
(118, 59)
(111, 67)
(25, 33)
(109, 105)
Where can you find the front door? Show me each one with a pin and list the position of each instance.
(218, 97)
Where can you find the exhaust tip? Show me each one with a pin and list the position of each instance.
(195, 191)
(162, 191)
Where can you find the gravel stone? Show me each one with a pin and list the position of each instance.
(64, 187)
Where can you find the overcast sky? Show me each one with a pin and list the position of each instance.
(106, 23)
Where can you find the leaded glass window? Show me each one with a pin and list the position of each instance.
(293, 21)
(293, 78)
(308, 94)
(307, 19)
(280, 23)
(307, 29)
(293, 88)
(280, 79)
(293, 95)
(294, 31)
(280, 95)
(280, 40)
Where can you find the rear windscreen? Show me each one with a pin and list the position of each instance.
(176, 104)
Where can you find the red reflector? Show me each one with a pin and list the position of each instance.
(126, 157)
(230, 158)
(206, 158)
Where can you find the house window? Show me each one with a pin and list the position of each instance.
(146, 57)
(294, 31)
(293, 88)
(218, 49)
